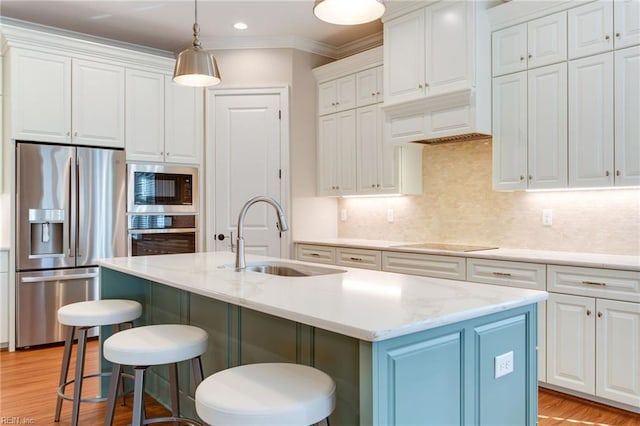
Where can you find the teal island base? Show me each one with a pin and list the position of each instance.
(441, 376)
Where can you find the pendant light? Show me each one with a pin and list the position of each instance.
(348, 12)
(194, 65)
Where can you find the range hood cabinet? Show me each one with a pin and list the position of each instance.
(450, 117)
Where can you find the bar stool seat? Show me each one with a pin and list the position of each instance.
(82, 316)
(145, 346)
(266, 394)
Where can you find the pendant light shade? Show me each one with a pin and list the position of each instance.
(348, 12)
(196, 66)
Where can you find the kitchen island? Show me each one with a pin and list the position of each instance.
(403, 350)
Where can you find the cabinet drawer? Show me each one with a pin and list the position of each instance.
(512, 274)
(317, 254)
(4, 261)
(358, 258)
(424, 264)
(604, 283)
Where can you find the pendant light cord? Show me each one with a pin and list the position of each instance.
(196, 27)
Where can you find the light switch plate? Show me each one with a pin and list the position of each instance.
(504, 364)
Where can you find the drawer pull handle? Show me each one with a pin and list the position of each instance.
(501, 274)
(594, 283)
(314, 254)
(356, 259)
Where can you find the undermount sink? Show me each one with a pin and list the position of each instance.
(285, 269)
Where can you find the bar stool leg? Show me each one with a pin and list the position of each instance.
(196, 367)
(112, 394)
(138, 397)
(64, 370)
(77, 385)
(173, 384)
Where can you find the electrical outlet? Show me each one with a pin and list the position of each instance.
(547, 217)
(504, 364)
(390, 215)
(343, 215)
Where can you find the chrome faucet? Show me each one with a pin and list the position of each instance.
(282, 225)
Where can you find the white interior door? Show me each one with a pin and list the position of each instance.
(244, 137)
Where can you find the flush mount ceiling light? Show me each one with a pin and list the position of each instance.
(350, 12)
(194, 65)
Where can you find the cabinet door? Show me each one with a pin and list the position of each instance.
(626, 22)
(97, 104)
(404, 53)
(367, 87)
(40, 94)
(448, 28)
(618, 351)
(627, 110)
(510, 131)
(327, 97)
(547, 129)
(547, 40)
(327, 155)
(591, 121)
(571, 342)
(590, 29)
(346, 151)
(367, 137)
(380, 83)
(183, 123)
(346, 93)
(145, 115)
(509, 50)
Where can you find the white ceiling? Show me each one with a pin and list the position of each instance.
(166, 24)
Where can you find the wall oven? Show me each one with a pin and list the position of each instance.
(162, 189)
(162, 234)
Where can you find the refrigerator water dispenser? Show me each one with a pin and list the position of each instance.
(47, 233)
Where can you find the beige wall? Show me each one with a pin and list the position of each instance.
(458, 206)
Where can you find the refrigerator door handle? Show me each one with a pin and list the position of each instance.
(59, 278)
(76, 224)
(71, 217)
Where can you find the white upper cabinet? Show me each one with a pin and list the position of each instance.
(369, 87)
(590, 29)
(627, 123)
(509, 50)
(183, 123)
(510, 132)
(164, 119)
(591, 121)
(418, 50)
(337, 153)
(533, 44)
(547, 40)
(337, 95)
(547, 127)
(97, 100)
(626, 20)
(40, 95)
(145, 116)
(53, 99)
(368, 137)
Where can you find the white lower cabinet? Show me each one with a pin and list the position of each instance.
(428, 265)
(359, 258)
(594, 347)
(316, 254)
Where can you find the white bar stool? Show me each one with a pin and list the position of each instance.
(145, 346)
(266, 394)
(83, 316)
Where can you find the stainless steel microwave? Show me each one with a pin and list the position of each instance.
(162, 189)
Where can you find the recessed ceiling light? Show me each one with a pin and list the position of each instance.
(240, 26)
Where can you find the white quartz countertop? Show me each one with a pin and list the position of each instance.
(593, 260)
(367, 305)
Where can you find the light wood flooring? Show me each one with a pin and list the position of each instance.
(28, 380)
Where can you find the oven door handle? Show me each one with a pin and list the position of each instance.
(59, 277)
(162, 231)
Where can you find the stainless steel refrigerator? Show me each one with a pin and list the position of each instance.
(70, 211)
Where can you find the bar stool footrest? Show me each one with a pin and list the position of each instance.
(62, 387)
(182, 420)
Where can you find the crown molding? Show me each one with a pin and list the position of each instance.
(349, 65)
(22, 34)
(517, 11)
(360, 45)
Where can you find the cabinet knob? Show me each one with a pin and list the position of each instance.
(530, 177)
(377, 93)
(607, 173)
(373, 185)
(599, 314)
(333, 104)
(426, 85)
(377, 185)
(337, 103)
(168, 153)
(607, 37)
(68, 133)
(530, 56)
(617, 35)
(75, 134)
(419, 86)
(373, 93)
(521, 178)
(521, 58)
(588, 312)
(618, 173)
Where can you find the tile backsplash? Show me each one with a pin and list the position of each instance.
(459, 206)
